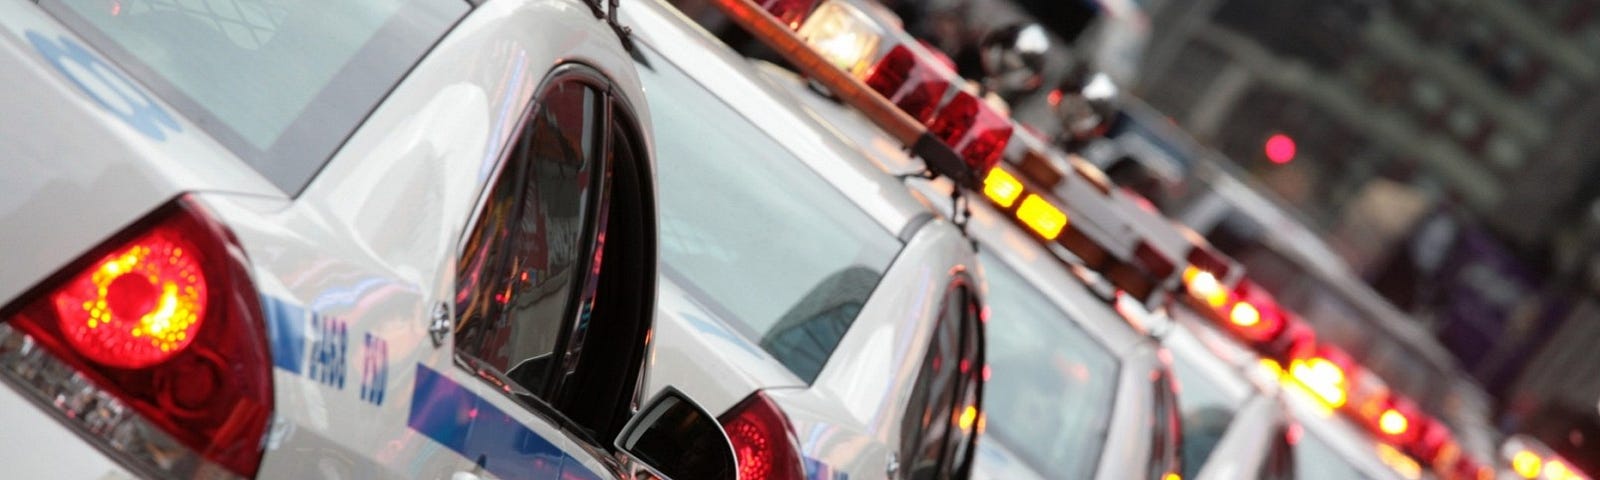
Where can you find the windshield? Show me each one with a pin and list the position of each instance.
(1050, 394)
(782, 254)
(280, 82)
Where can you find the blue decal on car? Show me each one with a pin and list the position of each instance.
(286, 325)
(101, 82)
(816, 470)
(374, 369)
(460, 420)
(329, 351)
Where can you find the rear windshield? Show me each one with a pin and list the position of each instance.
(1049, 396)
(756, 235)
(280, 82)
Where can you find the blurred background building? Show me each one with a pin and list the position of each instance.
(1449, 149)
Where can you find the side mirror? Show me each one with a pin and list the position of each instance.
(674, 438)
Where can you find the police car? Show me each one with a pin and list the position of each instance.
(829, 315)
(253, 238)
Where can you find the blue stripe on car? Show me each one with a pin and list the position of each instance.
(286, 326)
(452, 415)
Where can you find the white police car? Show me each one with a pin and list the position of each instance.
(359, 239)
(826, 313)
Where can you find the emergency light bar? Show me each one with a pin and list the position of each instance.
(960, 141)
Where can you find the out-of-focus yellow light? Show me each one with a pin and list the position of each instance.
(842, 35)
(1044, 218)
(1400, 462)
(1272, 367)
(1002, 187)
(1171, 476)
(1245, 315)
(1527, 464)
(969, 416)
(1204, 286)
(1392, 422)
(1322, 378)
(1558, 470)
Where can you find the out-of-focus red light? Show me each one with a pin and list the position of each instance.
(1280, 148)
(1393, 422)
(790, 12)
(137, 306)
(974, 130)
(913, 86)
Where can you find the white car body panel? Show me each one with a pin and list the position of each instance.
(108, 175)
(850, 418)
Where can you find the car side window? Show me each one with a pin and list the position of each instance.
(942, 413)
(520, 269)
(1166, 431)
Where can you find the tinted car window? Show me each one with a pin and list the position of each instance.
(522, 262)
(937, 430)
(1049, 396)
(752, 230)
(280, 82)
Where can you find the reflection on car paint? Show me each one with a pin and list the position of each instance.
(473, 427)
(100, 81)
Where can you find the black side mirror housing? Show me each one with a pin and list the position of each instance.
(673, 437)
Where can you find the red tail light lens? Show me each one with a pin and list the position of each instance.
(164, 320)
(915, 87)
(137, 306)
(790, 12)
(974, 130)
(763, 443)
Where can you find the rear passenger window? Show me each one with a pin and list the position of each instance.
(752, 230)
(521, 265)
(937, 431)
(1049, 398)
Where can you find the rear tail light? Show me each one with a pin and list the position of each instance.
(916, 87)
(153, 346)
(763, 443)
(842, 35)
(790, 12)
(974, 130)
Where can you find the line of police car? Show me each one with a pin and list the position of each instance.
(573, 239)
